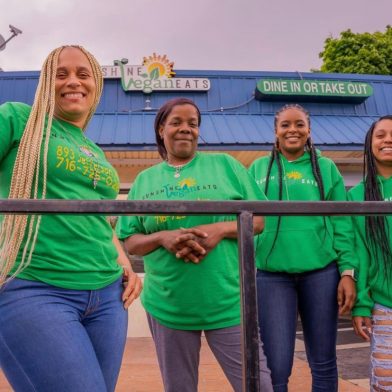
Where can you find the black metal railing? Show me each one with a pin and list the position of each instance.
(244, 210)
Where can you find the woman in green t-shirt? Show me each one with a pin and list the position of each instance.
(63, 324)
(372, 313)
(191, 262)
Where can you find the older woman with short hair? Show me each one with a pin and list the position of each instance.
(191, 262)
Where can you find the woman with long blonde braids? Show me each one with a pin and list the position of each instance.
(65, 281)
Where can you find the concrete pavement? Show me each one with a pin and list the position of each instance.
(140, 372)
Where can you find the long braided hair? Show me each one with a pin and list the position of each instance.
(275, 157)
(31, 160)
(376, 227)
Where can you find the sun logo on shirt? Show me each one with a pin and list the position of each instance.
(158, 66)
(294, 175)
(187, 182)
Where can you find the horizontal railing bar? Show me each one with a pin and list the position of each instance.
(176, 207)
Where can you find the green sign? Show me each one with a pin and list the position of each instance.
(313, 90)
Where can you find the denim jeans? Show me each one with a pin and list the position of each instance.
(54, 339)
(381, 349)
(281, 296)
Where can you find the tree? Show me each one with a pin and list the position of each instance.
(363, 53)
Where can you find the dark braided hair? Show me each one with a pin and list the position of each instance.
(163, 114)
(315, 167)
(275, 157)
(376, 227)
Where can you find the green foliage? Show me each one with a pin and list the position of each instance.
(363, 53)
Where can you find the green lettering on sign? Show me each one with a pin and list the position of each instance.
(313, 90)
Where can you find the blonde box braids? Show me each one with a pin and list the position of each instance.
(26, 174)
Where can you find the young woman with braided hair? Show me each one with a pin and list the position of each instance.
(65, 280)
(372, 313)
(305, 264)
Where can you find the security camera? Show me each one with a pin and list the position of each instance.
(15, 30)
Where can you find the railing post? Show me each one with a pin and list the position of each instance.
(250, 328)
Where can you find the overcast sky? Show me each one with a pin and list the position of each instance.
(256, 35)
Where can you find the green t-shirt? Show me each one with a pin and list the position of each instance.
(72, 251)
(185, 295)
(313, 241)
(371, 285)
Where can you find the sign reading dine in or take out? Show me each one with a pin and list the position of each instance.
(312, 90)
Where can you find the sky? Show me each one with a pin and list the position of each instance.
(243, 35)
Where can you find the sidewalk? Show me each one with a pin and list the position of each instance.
(140, 372)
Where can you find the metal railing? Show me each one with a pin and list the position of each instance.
(244, 210)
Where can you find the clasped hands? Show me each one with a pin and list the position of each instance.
(192, 244)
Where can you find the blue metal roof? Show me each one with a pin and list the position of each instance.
(227, 131)
(231, 117)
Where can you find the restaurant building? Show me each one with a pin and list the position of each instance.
(237, 110)
(237, 116)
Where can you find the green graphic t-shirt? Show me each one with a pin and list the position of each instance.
(71, 251)
(185, 295)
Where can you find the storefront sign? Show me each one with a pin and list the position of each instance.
(156, 73)
(313, 90)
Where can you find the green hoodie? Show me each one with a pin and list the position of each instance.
(304, 243)
(371, 285)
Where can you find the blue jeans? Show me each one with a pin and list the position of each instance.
(281, 296)
(54, 339)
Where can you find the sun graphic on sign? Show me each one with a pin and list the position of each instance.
(158, 66)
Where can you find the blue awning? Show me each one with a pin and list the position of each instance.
(135, 131)
(231, 118)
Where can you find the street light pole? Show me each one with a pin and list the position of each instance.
(15, 31)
